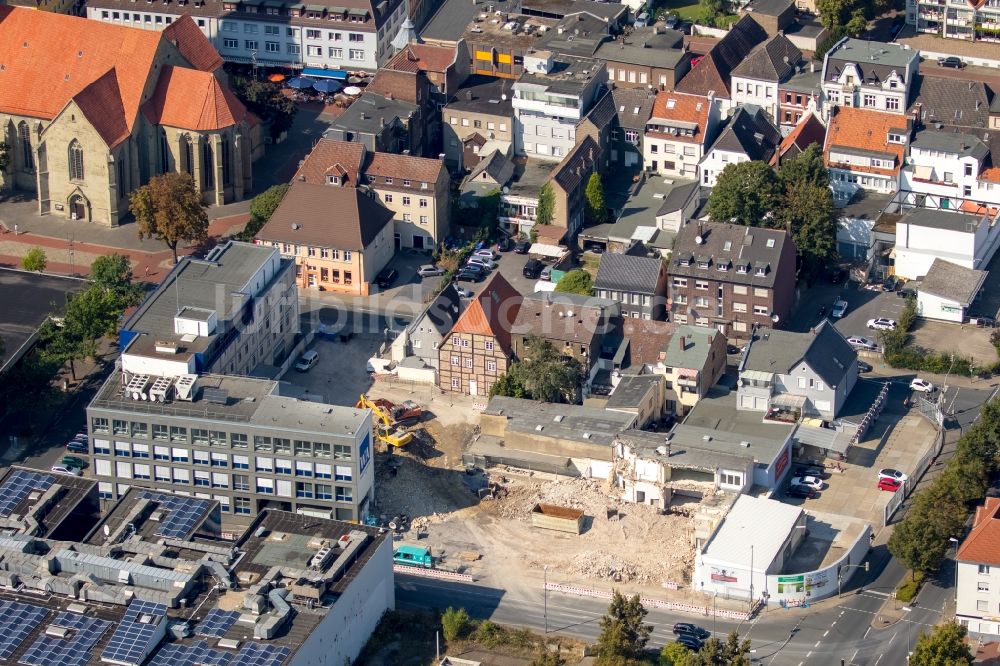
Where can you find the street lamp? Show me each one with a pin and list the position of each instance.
(545, 597)
(840, 574)
(715, 617)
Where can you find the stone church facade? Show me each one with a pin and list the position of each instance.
(91, 111)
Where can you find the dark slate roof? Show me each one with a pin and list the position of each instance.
(876, 60)
(496, 166)
(825, 351)
(770, 7)
(620, 272)
(576, 166)
(454, 16)
(633, 106)
(948, 220)
(484, 94)
(577, 34)
(733, 244)
(959, 102)
(963, 145)
(443, 311)
(953, 282)
(650, 46)
(560, 8)
(774, 60)
(712, 73)
(603, 112)
(678, 196)
(366, 115)
(749, 132)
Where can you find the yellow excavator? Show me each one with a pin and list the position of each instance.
(386, 429)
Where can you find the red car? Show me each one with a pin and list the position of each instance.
(888, 484)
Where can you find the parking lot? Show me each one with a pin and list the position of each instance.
(340, 375)
(897, 440)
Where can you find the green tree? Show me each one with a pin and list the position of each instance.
(455, 624)
(807, 212)
(709, 11)
(623, 633)
(546, 208)
(35, 260)
(169, 208)
(805, 168)
(545, 374)
(577, 281)
(857, 24)
(944, 646)
(262, 207)
(674, 654)
(745, 193)
(731, 652)
(264, 99)
(834, 13)
(508, 385)
(916, 543)
(4, 156)
(112, 273)
(597, 209)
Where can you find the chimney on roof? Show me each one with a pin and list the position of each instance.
(381, 122)
(681, 341)
(709, 338)
(364, 116)
(812, 66)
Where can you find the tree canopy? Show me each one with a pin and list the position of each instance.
(264, 100)
(624, 633)
(169, 208)
(112, 273)
(597, 210)
(546, 208)
(34, 260)
(745, 193)
(944, 646)
(262, 207)
(577, 281)
(542, 374)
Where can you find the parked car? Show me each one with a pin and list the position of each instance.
(860, 342)
(73, 461)
(546, 273)
(682, 628)
(429, 270)
(892, 283)
(951, 61)
(894, 474)
(921, 385)
(78, 447)
(808, 481)
(888, 484)
(386, 278)
(505, 244)
(483, 262)
(839, 309)
(59, 469)
(864, 367)
(522, 247)
(486, 254)
(464, 293)
(532, 269)
(466, 275)
(307, 361)
(907, 292)
(690, 642)
(671, 24)
(805, 492)
(882, 324)
(837, 275)
(810, 470)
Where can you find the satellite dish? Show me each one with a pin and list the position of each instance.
(504, 97)
(506, 189)
(699, 240)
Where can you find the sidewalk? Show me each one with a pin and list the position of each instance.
(151, 259)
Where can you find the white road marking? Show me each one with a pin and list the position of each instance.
(825, 633)
(817, 644)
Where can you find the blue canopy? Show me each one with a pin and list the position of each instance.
(299, 83)
(321, 73)
(327, 86)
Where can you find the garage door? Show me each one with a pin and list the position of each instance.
(760, 404)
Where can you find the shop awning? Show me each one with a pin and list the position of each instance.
(545, 250)
(320, 73)
(788, 400)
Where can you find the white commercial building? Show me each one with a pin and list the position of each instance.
(948, 291)
(869, 75)
(924, 234)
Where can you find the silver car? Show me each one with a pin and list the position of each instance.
(429, 270)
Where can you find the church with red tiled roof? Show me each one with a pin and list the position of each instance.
(92, 111)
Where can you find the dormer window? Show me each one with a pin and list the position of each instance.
(722, 266)
(895, 137)
(684, 261)
(770, 242)
(761, 270)
(742, 269)
(333, 180)
(406, 183)
(371, 179)
(388, 180)
(703, 264)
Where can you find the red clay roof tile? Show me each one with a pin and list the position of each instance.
(193, 100)
(982, 545)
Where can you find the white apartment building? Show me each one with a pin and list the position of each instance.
(677, 133)
(956, 19)
(977, 590)
(925, 234)
(944, 170)
(869, 75)
(551, 97)
(757, 78)
(357, 34)
(865, 150)
(748, 136)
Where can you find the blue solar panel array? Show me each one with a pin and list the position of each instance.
(18, 485)
(183, 513)
(17, 620)
(74, 650)
(257, 654)
(217, 623)
(132, 641)
(198, 654)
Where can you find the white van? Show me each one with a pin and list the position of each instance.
(307, 361)
(642, 20)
